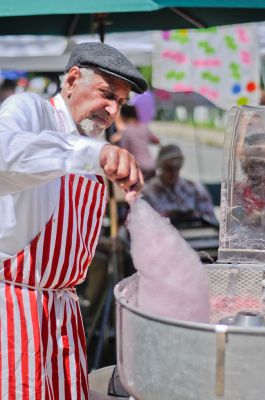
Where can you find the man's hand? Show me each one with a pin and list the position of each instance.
(121, 167)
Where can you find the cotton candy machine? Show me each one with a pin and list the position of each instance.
(166, 359)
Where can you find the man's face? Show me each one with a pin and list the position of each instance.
(170, 171)
(94, 105)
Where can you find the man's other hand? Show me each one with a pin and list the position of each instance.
(121, 167)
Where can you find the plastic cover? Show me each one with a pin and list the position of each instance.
(242, 221)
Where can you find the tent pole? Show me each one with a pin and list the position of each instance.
(100, 22)
(185, 15)
(72, 27)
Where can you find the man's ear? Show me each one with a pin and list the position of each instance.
(71, 80)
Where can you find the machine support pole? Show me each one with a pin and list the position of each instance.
(221, 338)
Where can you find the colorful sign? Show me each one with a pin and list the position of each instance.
(218, 63)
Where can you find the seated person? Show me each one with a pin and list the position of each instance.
(184, 202)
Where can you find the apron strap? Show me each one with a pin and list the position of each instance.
(71, 291)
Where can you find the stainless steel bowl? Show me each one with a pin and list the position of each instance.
(163, 359)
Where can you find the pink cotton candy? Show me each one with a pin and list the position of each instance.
(97, 396)
(172, 281)
(131, 196)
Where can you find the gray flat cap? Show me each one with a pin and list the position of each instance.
(108, 60)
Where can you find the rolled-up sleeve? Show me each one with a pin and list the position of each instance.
(30, 155)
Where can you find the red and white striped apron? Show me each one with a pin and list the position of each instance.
(42, 341)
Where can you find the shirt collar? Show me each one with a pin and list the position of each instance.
(65, 115)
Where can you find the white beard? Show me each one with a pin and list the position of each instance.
(90, 128)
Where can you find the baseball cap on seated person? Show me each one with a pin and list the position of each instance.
(170, 151)
(108, 60)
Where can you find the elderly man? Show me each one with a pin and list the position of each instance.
(52, 199)
(179, 199)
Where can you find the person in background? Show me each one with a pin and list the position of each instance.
(135, 137)
(262, 97)
(52, 201)
(251, 195)
(7, 88)
(174, 197)
(249, 192)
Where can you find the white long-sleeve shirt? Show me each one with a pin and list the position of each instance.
(38, 145)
